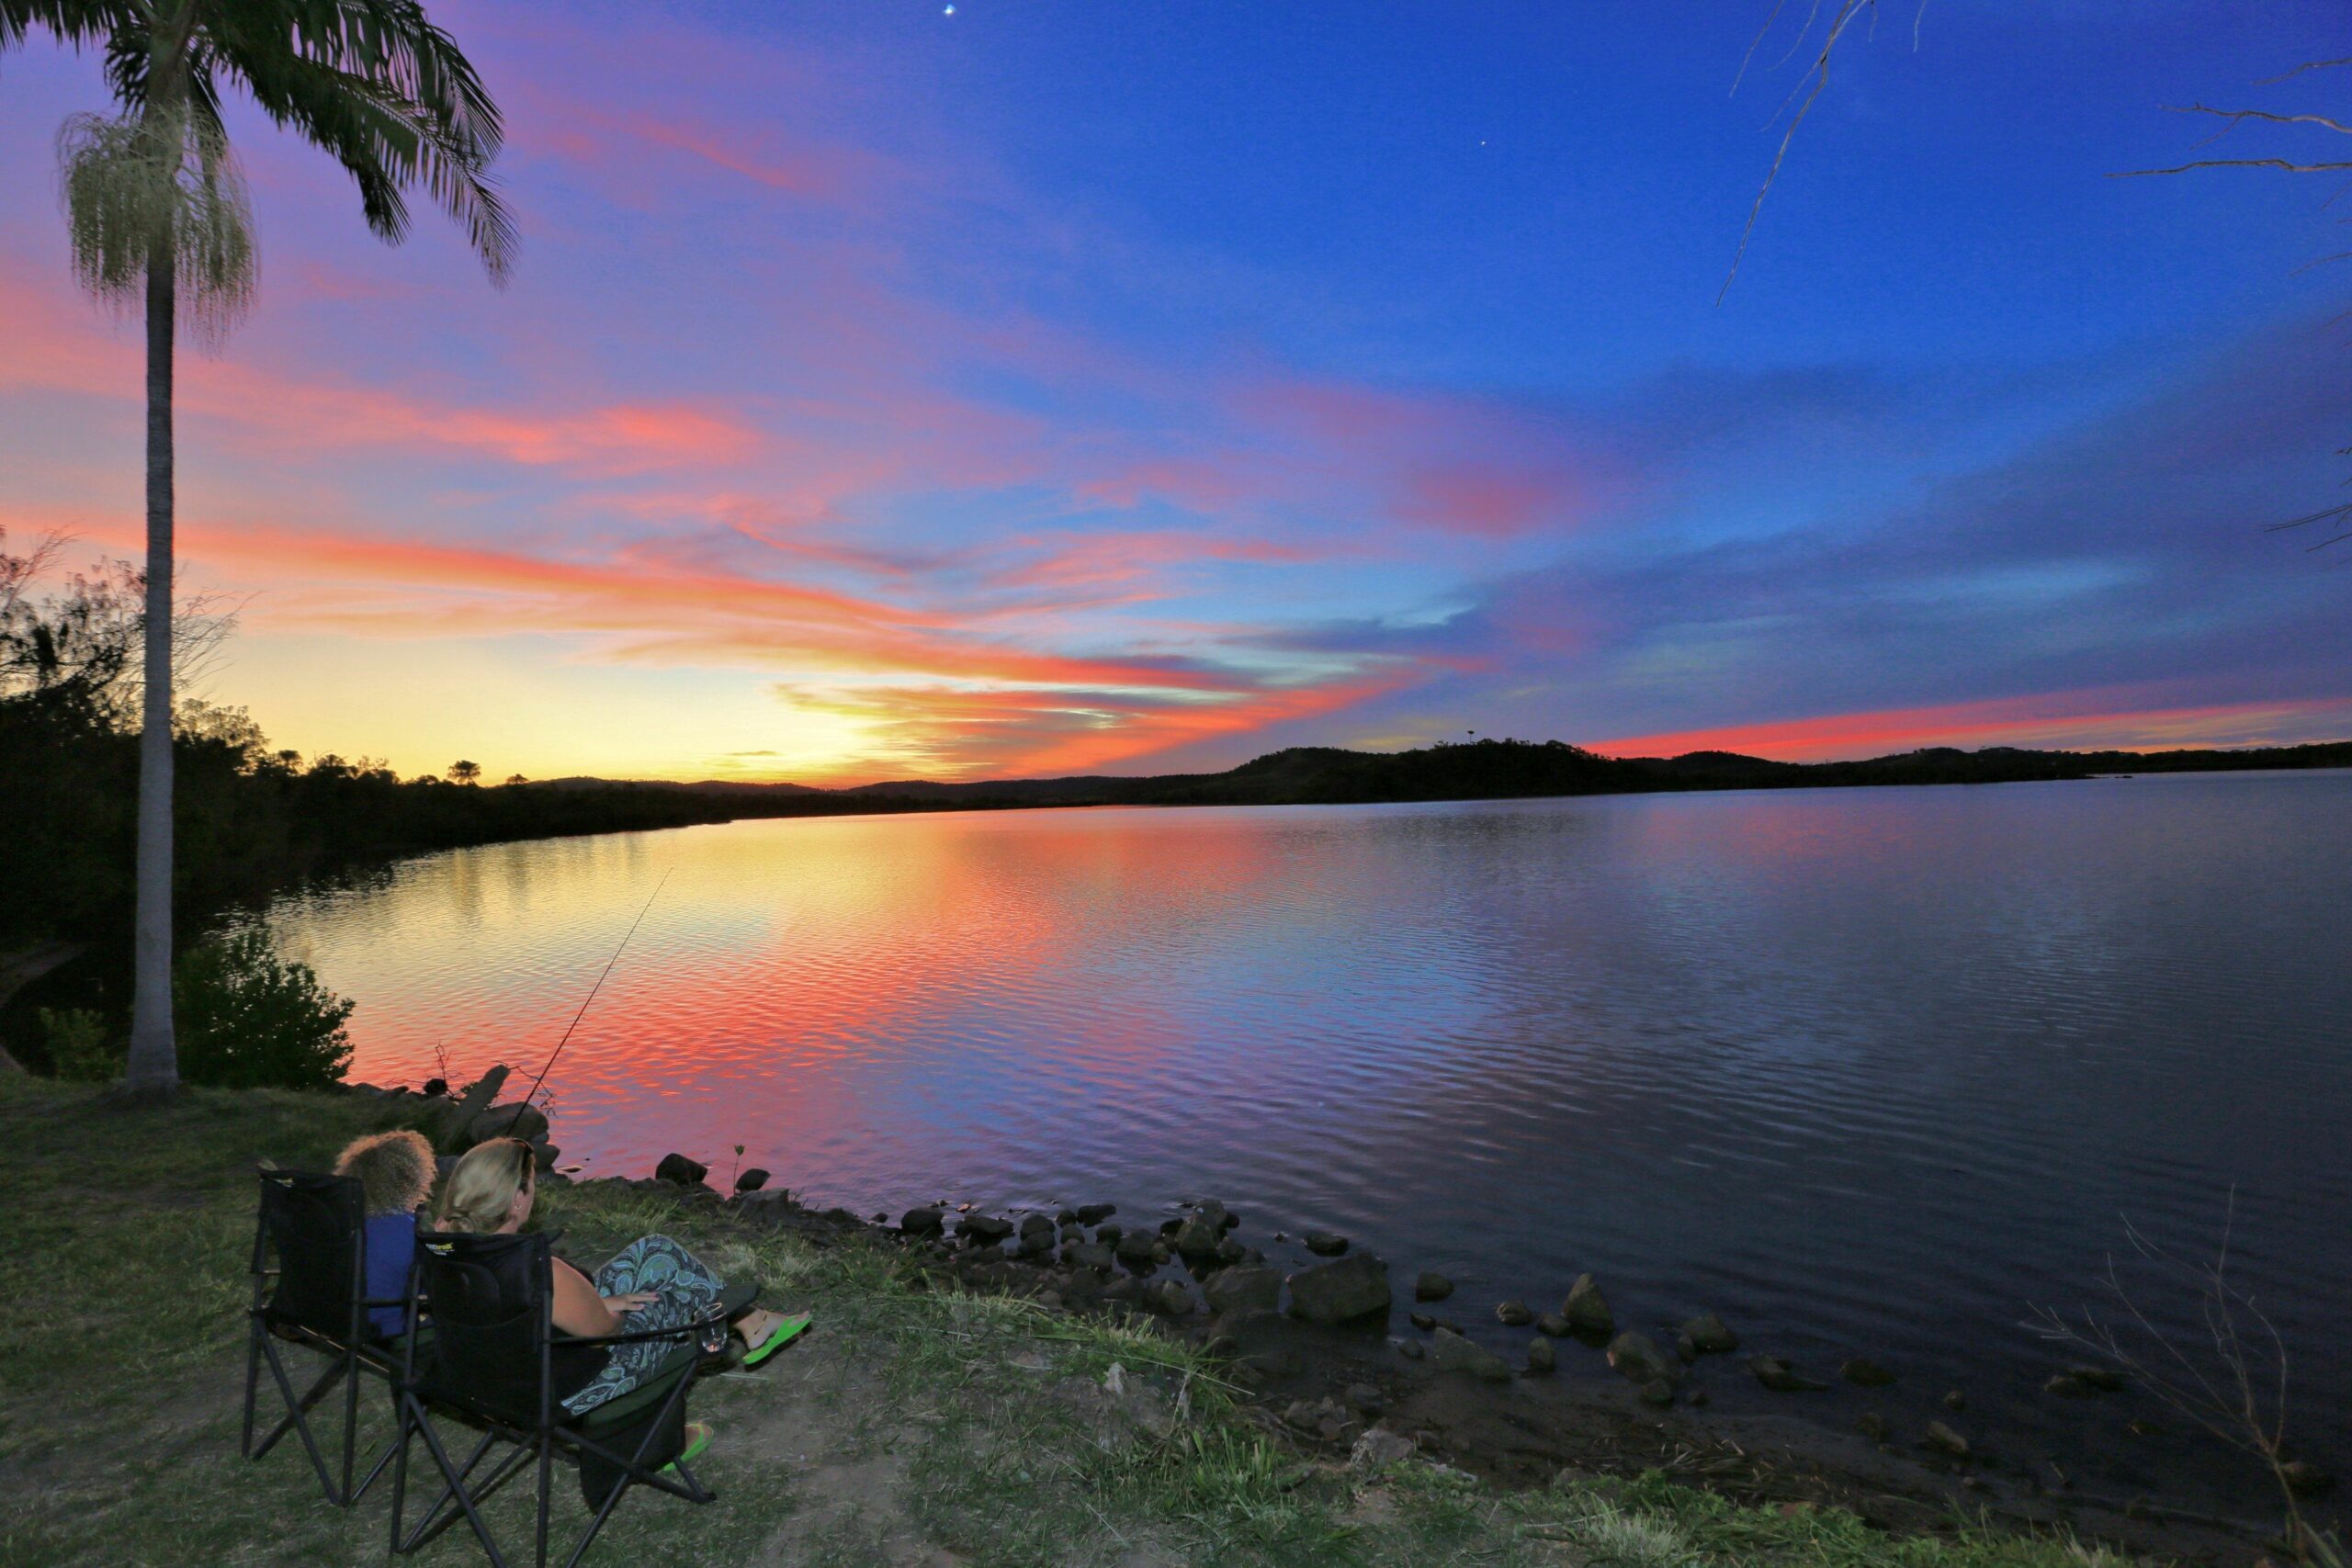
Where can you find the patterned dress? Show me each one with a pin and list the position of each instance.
(684, 1290)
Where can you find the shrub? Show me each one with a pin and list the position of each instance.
(248, 1020)
(76, 1039)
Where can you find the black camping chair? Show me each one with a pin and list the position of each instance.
(496, 1362)
(309, 1288)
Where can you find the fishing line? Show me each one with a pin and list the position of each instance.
(615, 958)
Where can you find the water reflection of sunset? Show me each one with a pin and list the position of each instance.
(1752, 1050)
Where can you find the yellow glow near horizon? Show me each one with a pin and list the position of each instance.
(423, 705)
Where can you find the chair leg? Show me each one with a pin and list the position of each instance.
(297, 1418)
(633, 1473)
(400, 1462)
(350, 1423)
(547, 1461)
(456, 1488)
(252, 1382)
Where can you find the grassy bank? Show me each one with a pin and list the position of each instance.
(917, 1425)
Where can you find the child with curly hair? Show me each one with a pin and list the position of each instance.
(395, 1171)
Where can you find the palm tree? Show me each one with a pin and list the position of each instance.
(158, 217)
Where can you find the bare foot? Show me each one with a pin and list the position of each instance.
(754, 1326)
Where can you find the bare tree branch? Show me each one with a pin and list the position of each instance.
(2233, 164)
(2306, 65)
(2233, 115)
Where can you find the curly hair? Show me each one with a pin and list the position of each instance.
(394, 1169)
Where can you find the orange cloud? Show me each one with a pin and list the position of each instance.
(947, 731)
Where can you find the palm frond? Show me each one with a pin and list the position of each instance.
(77, 23)
(158, 184)
(390, 95)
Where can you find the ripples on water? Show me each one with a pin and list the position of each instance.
(1863, 1070)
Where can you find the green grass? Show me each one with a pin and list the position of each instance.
(915, 1424)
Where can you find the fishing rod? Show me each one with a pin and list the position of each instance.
(538, 1082)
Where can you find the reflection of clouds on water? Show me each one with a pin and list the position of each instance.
(1872, 1070)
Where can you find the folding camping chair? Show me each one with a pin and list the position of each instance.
(493, 1364)
(309, 1288)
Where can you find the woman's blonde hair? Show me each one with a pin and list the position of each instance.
(481, 1188)
(395, 1170)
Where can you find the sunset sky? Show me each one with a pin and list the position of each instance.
(1057, 386)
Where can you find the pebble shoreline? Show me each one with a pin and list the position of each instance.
(1191, 1275)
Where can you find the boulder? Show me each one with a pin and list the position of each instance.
(984, 1230)
(1658, 1392)
(1449, 1352)
(1243, 1290)
(1340, 1290)
(1422, 1319)
(1587, 1309)
(1108, 1235)
(1710, 1336)
(1326, 1244)
(1365, 1397)
(1541, 1356)
(1863, 1372)
(1264, 1344)
(1412, 1349)
(434, 1087)
(1139, 1249)
(1553, 1323)
(1873, 1427)
(1088, 1255)
(1378, 1447)
(1170, 1297)
(1514, 1314)
(677, 1167)
(1230, 1251)
(1201, 1232)
(1943, 1440)
(923, 1222)
(459, 1117)
(756, 1178)
(1095, 1214)
(1780, 1378)
(1432, 1286)
(1636, 1357)
(519, 1119)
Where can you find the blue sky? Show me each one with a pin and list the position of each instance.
(1058, 387)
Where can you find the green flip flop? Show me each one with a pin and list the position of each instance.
(698, 1436)
(784, 1334)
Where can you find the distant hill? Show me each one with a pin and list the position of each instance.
(1489, 770)
(700, 787)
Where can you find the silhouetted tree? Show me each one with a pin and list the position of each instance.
(464, 773)
(157, 213)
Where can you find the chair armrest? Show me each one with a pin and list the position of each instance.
(675, 1331)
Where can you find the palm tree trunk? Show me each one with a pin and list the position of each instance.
(154, 1067)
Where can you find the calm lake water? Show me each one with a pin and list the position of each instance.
(1866, 1071)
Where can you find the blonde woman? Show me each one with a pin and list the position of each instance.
(395, 1172)
(655, 1282)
